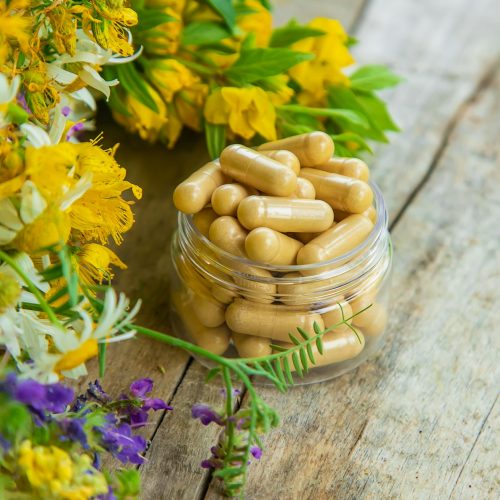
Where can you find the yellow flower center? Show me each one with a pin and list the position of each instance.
(76, 357)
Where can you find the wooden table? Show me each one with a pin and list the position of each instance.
(421, 419)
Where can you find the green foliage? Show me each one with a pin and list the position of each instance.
(255, 64)
(373, 77)
(216, 139)
(151, 18)
(226, 10)
(133, 82)
(15, 420)
(291, 33)
(204, 33)
(127, 483)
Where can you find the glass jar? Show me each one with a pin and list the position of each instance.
(238, 307)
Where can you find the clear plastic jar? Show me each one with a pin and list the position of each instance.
(213, 291)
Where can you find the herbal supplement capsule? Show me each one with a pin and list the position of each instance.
(350, 167)
(305, 189)
(271, 247)
(226, 198)
(222, 294)
(270, 320)
(339, 345)
(285, 214)
(307, 237)
(285, 157)
(339, 191)
(209, 313)
(372, 321)
(263, 292)
(261, 172)
(203, 219)
(251, 346)
(227, 233)
(366, 299)
(340, 311)
(192, 281)
(295, 294)
(313, 148)
(370, 212)
(338, 240)
(191, 195)
(215, 340)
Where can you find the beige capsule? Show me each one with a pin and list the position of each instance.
(338, 346)
(303, 294)
(222, 293)
(285, 214)
(285, 157)
(215, 340)
(270, 320)
(251, 346)
(253, 289)
(191, 195)
(305, 189)
(351, 167)
(203, 219)
(307, 237)
(336, 241)
(209, 312)
(271, 247)
(373, 320)
(341, 192)
(370, 212)
(338, 312)
(228, 234)
(226, 198)
(191, 280)
(313, 148)
(257, 170)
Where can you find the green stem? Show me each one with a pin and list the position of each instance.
(306, 110)
(32, 288)
(226, 374)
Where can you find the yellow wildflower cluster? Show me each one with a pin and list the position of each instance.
(52, 473)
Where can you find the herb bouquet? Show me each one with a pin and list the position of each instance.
(215, 66)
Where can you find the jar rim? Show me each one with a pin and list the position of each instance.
(333, 267)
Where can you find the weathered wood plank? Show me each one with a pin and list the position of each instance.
(404, 424)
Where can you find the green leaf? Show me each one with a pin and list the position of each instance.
(203, 33)
(129, 483)
(291, 33)
(310, 353)
(376, 110)
(102, 359)
(296, 364)
(294, 339)
(226, 10)
(15, 420)
(69, 274)
(288, 371)
(255, 64)
(17, 114)
(319, 345)
(151, 18)
(374, 77)
(317, 328)
(215, 136)
(351, 137)
(303, 360)
(303, 333)
(133, 82)
(279, 371)
(212, 373)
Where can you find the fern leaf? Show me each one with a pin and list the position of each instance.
(288, 371)
(310, 353)
(319, 345)
(294, 339)
(296, 364)
(303, 359)
(316, 328)
(279, 371)
(303, 333)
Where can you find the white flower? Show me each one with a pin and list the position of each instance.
(8, 90)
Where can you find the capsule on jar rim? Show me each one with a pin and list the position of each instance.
(370, 212)
(215, 340)
(226, 198)
(339, 345)
(373, 320)
(227, 233)
(191, 195)
(339, 191)
(312, 148)
(285, 214)
(203, 219)
(350, 167)
(285, 157)
(257, 170)
(271, 247)
(336, 241)
(251, 346)
(305, 189)
(270, 320)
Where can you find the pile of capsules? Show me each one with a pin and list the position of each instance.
(290, 202)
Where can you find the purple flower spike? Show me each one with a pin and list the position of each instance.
(72, 429)
(122, 444)
(256, 452)
(96, 391)
(141, 387)
(155, 404)
(206, 414)
(32, 393)
(66, 110)
(58, 397)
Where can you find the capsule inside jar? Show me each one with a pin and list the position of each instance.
(285, 157)
(350, 167)
(251, 346)
(226, 198)
(271, 247)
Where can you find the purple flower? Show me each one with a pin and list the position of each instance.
(234, 392)
(138, 417)
(58, 397)
(96, 391)
(122, 444)
(155, 404)
(206, 414)
(72, 429)
(77, 127)
(256, 452)
(66, 110)
(141, 387)
(4, 444)
(31, 393)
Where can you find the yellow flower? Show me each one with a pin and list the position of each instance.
(10, 291)
(164, 39)
(259, 22)
(279, 91)
(52, 473)
(72, 359)
(189, 104)
(41, 95)
(169, 76)
(50, 228)
(64, 29)
(325, 69)
(173, 127)
(14, 26)
(247, 110)
(177, 5)
(143, 120)
(94, 263)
